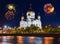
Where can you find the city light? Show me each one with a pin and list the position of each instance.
(58, 26)
(9, 27)
(5, 26)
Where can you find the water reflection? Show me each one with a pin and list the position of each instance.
(59, 40)
(19, 39)
(31, 39)
(27, 40)
(48, 40)
(39, 40)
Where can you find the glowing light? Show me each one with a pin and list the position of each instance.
(58, 26)
(49, 25)
(9, 27)
(38, 17)
(52, 9)
(31, 39)
(48, 8)
(22, 17)
(48, 40)
(46, 26)
(11, 12)
(20, 39)
(11, 7)
(5, 26)
(0, 27)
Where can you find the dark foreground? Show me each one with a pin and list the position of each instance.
(38, 35)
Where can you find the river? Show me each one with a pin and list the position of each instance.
(28, 40)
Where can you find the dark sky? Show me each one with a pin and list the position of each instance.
(23, 5)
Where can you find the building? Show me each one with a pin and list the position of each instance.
(31, 19)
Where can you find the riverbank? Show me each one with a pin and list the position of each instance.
(38, 35)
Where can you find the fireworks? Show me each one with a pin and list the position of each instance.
(48, 8)
(9, 15)
(11, 7)
(11, 12)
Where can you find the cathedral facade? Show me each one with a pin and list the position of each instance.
(30, 20)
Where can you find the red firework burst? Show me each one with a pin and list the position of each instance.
(9, 15)
(48, 8)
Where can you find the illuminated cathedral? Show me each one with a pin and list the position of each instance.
(30, 20)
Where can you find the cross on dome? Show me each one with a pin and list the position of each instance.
(30, 9)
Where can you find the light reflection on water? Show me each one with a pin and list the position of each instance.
(27, 40)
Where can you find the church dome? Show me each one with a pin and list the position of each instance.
(30, 9)
(30, 13)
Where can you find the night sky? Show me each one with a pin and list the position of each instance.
(22, 6)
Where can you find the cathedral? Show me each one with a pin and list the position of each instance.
(30, 20)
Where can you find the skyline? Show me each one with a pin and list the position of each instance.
(22, 6)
